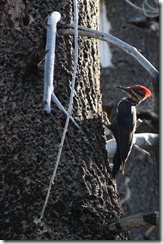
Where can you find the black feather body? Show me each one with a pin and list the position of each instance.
(123, 126)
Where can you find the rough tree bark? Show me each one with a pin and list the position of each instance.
(83, 196)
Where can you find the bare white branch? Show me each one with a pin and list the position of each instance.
(49, 59)
(83, 31)
(146, 139)
(140, 139)
(133, 221)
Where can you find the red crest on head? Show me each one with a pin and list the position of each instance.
(146, 91)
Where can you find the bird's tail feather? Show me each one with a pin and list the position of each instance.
(116, 164)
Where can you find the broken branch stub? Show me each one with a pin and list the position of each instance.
(49, 59)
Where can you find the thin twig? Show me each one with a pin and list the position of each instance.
(69, 107)
(66, 29)
(133, 5)
(143, 151)
(58, 103)
(151, 12)
(149, 6)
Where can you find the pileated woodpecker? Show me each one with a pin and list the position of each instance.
(123, 124)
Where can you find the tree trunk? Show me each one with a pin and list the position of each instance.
(83, 197)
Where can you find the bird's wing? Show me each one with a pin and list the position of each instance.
(113, 120)
(126, 122)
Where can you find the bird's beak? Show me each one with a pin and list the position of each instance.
(124, 89)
